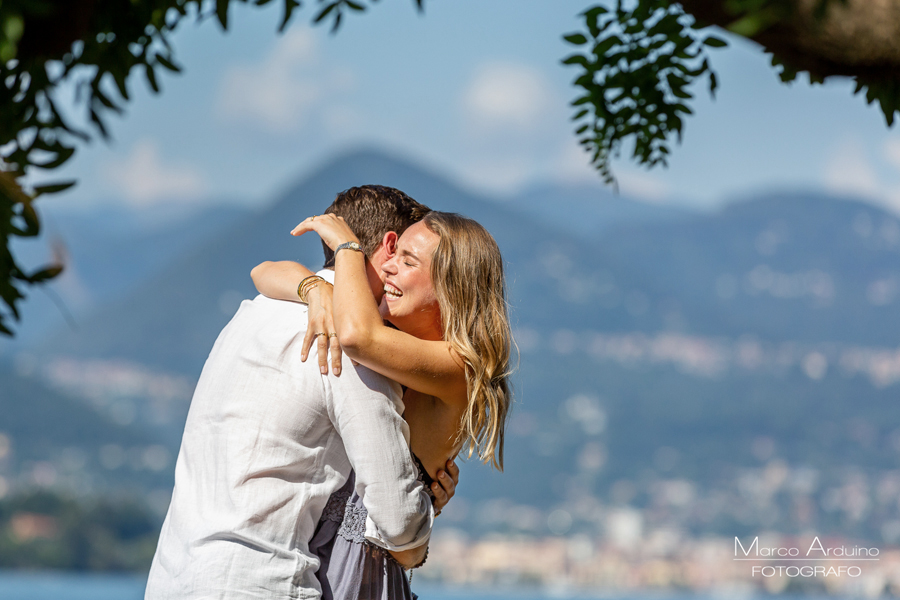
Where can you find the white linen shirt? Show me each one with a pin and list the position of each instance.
(268, 438)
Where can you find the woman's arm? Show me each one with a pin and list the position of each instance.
(280, 280)
(430, 367)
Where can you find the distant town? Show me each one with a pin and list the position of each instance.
(661, 561)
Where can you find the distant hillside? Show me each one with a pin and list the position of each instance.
(803, 267)
(48, 438)
(590, 210)
(108, 251)
(722, 352)
(187, 305)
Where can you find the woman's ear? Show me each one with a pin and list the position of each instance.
(389, 243)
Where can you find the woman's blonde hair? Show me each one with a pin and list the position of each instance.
(467, 271)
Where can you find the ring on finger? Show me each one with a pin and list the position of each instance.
(321, 333)
(332, 334)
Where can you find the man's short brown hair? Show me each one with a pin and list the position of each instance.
(371, 211)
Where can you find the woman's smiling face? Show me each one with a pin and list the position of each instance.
(409, 301)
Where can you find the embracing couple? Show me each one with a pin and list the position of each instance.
(296, 480)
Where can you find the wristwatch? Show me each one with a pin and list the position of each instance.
(349, 245)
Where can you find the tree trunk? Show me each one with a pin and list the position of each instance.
(857, 38)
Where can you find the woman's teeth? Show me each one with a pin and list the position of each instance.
(392, 291)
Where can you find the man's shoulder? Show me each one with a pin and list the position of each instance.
(265, 321)
(263, 307)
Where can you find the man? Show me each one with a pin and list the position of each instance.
(269, 438)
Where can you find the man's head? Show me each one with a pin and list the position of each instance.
(378, 215)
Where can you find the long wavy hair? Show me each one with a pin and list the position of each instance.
(467, 271)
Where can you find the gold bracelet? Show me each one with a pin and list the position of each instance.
(313, 282)
(306, 285)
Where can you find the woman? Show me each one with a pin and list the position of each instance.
(444, 292)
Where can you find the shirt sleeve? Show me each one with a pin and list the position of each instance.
(366, 410)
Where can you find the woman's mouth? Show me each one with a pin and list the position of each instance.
(391, 292)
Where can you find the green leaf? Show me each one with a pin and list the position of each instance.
(32, 222)
(325, 12)
(289, 6)
(714, 42)
(98, 95)
(576, 39)
(168, 64)
(45, 274)
(747, 26)
(222, 12)
(99, 123)
(595, 11)
(151, 78)
(354, 5)
(576, 59)
(64, 153)
(53, 188)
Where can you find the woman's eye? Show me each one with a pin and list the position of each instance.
(407, 263)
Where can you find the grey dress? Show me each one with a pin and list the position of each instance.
(353, 568)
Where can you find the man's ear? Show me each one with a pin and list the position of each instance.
(389, 243)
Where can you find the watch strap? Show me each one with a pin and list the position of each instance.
(349, 246)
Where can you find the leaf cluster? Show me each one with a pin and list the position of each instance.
(115, 39)
(636, 66)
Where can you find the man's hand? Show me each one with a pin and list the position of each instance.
(445, 486)
(321, 328)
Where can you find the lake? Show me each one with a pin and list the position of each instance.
(42, 585)
(18, 585)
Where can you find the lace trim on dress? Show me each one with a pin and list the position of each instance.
(353, 529)
(336, 505)
(352, 516)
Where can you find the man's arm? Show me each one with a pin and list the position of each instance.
(365, 409)
(444, 489)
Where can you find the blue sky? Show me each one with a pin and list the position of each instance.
(472, 89)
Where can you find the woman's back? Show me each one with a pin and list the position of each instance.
(434, 428)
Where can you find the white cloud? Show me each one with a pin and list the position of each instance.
(642, 186)
(142, 176)
(506, 96)
(892, 152)
(283, 90)
(848, 170)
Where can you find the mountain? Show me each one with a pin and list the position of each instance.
(107, 250)
(804, 267)
(589, 210)
(179, 306)
(700, 349)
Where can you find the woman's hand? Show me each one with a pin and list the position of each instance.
(447, 488)
(333, 230)
(321, 328)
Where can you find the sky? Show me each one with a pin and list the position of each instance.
(470, 89)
